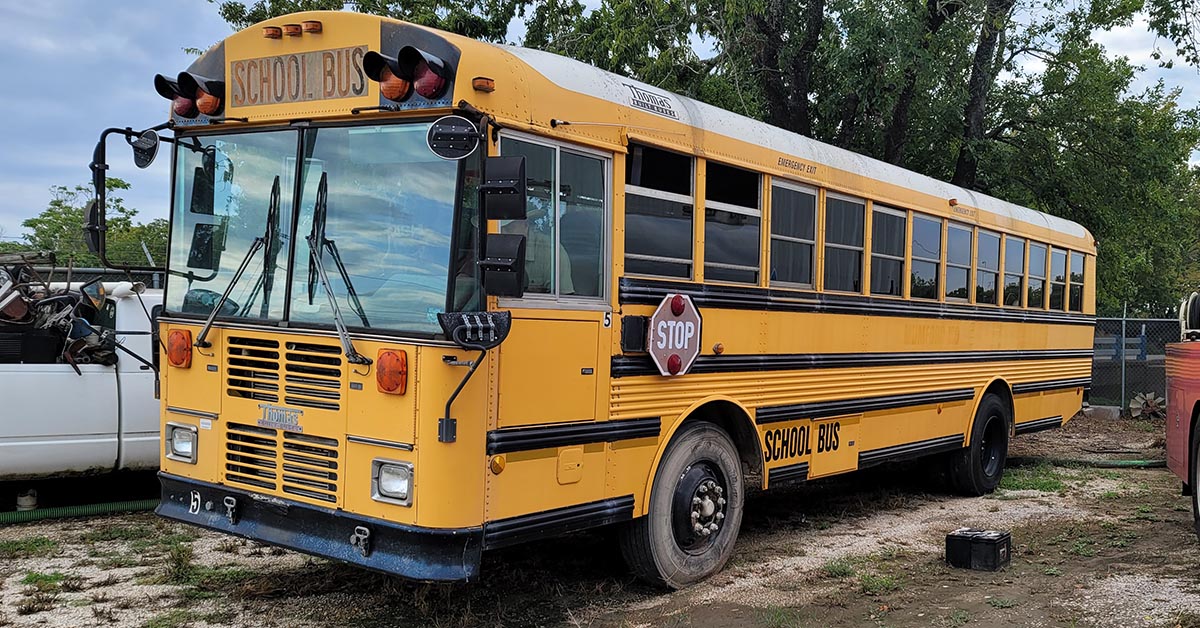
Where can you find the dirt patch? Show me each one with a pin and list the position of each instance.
(1103, 547)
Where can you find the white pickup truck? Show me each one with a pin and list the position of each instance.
(55, 420)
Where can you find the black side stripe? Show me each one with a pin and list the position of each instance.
(910, 450)
(1048, 423)
(556, 522)
(651, 292)
(637, 365)
(1055, 384)
(822, 409)
(508, 440)
(790, 473)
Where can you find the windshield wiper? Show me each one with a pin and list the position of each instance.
(317, 243)
(266, 281)
(259, 242)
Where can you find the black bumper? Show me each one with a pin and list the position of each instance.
(426, 554)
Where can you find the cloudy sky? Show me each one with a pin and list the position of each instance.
(71, 68)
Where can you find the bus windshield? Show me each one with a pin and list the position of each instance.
(374, 203)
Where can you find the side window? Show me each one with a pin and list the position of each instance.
(658, 212)
(1058, 278)
(887, 251)
(987, 267)
(958, 261)
(582, 221)
(793, 234)
(1014, 270)
(926, 257)
(843, 243)
(1037, 275)
(1076, 290)
(539, 224)
(565, 220)
(732, 219)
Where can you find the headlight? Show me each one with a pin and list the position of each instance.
(392, 482)
(180, 441)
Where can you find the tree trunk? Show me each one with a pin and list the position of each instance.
(802, 69)
(766, 41)
(983, 75)
(936, 16)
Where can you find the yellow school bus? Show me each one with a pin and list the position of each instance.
(431, 296)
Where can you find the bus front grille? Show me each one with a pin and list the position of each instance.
(311, 373)
(268, 459)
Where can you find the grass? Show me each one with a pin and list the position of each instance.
(1052, 571)
(781, 618)
(958, 618)
(37, 603)
(33, 547)
(43, 581)
(175, 618)
(105, 615)
(839, 568)
(1001, 602)
(877, 584)
(120, 533)
(1043, 477)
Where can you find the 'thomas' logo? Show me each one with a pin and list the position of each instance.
(281, 418)
(649, 101)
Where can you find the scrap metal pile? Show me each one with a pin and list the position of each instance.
(46, 322)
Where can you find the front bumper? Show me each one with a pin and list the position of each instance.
(426, 554)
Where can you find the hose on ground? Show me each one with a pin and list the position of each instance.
(1029, 461)
(86, 510)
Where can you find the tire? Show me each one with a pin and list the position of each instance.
(664, 547)
(976, 469)
(1194, 477)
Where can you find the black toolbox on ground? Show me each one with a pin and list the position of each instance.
(984, 550)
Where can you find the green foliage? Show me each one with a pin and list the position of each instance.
(36, 546)
(481, 19)
(59, 228)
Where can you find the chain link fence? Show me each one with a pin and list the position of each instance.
(1130, 358)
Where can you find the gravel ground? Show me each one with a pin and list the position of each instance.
(1092, 547)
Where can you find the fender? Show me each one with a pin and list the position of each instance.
(1012, 424)
(668, 434)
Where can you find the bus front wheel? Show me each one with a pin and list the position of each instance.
(694, 513)
(977, 469)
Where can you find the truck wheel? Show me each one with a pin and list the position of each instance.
(1194, 465)
(694, 513)
(976, 470)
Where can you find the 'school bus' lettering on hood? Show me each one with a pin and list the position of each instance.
(300, 77)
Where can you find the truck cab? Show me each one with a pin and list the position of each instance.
(85, 418)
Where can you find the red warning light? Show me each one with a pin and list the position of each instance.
(677, 305)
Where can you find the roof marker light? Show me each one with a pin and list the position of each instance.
(272, 32)
(292, 30)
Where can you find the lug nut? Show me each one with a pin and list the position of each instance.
(703, 489)
(719, 516)
(720, 501)
(697, 528)
(718, 490)
(695, 501)
(695, 515)
(706, 532)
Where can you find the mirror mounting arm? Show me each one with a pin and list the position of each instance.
(96, 227)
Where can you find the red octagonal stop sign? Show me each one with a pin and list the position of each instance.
(673, 340)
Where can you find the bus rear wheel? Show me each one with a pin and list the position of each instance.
(976, 470)
(1194, 473)
(694, 513)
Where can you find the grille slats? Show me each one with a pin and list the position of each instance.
(311, 373)
(294, 463)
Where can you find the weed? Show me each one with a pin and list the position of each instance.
(839, 568)
(179, 564)
(43, 581)
(108, 581)
(1083, 547)
(73, 583)
(781, 618)
(1052, 571)
(33, 547)
(100, 597)
(119, 533)
(37, 603)
(1043, 477)
(104, 614)
(1110, 495)
(958, 618)
(873, 584)
(1001, 602)
(176, 618)
(228, 546)
(123, 603)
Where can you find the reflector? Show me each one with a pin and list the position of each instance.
(391, 371)
(179, 348)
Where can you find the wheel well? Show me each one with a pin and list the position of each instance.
(734, 420)
(1001, 389)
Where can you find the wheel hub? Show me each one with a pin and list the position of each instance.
(699, 509)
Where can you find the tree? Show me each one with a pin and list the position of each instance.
(59, 228)
(480, 19)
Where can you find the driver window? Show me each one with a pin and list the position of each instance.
(565, 224)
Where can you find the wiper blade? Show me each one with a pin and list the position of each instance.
(316, 269)
(266, 281)
(259, 242)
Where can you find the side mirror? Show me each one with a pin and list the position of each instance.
(504, 267)
(93, 229)
(504, 188)
(208, 242)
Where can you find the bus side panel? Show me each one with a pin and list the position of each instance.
(1183, 393)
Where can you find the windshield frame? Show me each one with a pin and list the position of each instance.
(295, 249)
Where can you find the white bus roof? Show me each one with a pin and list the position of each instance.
(592, 81)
